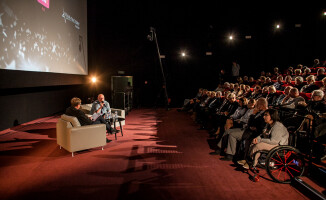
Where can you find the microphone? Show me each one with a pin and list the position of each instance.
(103, 104)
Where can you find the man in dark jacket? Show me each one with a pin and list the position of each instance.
(74, 110)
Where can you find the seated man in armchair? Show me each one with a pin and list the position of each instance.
(74, 110)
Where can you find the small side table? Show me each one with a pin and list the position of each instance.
(118, 119)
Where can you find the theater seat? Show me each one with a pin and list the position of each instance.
(319, 83)
(306, 96)
(73, 137)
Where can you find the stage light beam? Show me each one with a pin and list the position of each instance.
(94, 79)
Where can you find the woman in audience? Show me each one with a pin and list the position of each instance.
(287, 81)
(247, 92)
(275, 134)
(310, 85)
(241, 91)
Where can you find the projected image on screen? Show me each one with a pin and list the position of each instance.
(44, 35)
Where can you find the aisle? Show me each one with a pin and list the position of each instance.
(162, 155)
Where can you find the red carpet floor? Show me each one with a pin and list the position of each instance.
(162, 155)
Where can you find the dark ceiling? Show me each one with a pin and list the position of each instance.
(118, 39)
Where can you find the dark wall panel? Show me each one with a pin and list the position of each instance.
(25, 104)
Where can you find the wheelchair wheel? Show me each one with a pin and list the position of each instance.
(284, 163)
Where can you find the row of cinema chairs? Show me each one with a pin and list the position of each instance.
(73, 137)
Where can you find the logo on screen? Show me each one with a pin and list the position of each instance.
(45, 3)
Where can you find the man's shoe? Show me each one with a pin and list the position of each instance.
(227, 158)
(246, 166)
(216, 152)
(241, 162)
(107, 140)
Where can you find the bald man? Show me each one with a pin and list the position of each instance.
(101, 106)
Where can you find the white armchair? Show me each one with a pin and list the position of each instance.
(73, 137)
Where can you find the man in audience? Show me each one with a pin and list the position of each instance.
(320, 74)
(291, 101)
(279, 83)
(74, 110)
(253, 129)
(298, 82)
(282, 96)
(311, 86)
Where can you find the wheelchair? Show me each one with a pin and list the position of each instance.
(285, 162)
(282, 164)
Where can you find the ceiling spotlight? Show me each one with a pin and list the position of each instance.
(278, 26)
(231, 37)
(324, 13)
(183, 54)
(93, 79)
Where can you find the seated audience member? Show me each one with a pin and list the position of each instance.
(251, 81)
(275, 134)
(241, 91)
(219, 88)
(226, 87)
(312, 109)
(237, 114)
(265, 91)
(245, 80)
(298, 82)
(227, 108)
(236, 89)
(188, 103)
(262, 81)
(297, 73)
(257, 93)
(272, 95)
(247, 92)
(291, 101)
(253, 129)
(282, 96)
(74, 110)
(231, 87)
(275, 74)
(203, 107)
(238, 123)
(239, 80)
(289, 72)
(279, 85)
(323, 88)
(320, 74)
(316, 63)
(268, 82)
(306, 73)
(310, 85)
(287, 81)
